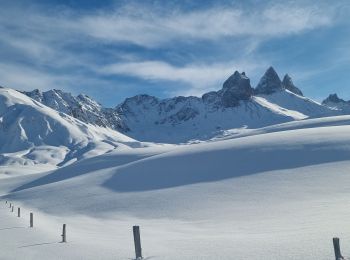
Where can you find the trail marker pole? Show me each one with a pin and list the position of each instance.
(64, 234)
(137, 242)
(336, 246)
(31, 220)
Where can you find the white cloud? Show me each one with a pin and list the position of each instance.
(150, 28)
(201, 77)
(154, 27)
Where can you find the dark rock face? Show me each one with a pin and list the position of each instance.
(288, 84)
(333, 98)
(269, 83)
(235, 88)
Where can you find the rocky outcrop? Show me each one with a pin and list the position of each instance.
(333, 99)
(235, 88)
(269, 83)
(287, 83)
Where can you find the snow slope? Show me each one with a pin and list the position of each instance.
(281, 194)
(31, 133)
(303, 105)
(309, 123)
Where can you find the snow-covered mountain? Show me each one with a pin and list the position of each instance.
(236, 105)
(81, 107)
(181, 119)
(32, 133)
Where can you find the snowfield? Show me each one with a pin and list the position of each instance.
(279, 192)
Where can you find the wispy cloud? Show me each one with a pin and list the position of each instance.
(149, 28)
(153, 27)
(200, 77)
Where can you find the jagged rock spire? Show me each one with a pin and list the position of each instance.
(288, 84)
(269, 83)
(237, 87)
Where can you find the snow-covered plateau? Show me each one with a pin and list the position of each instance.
(241, 173)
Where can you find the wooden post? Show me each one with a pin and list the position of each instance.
(10, 205)
(337, 252)
(31, 220)
(12, 209)
(19, 212)
(64, 234)
(137, 242)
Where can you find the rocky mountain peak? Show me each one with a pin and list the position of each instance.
(135, 115)
(236, 80)
(237, 87)
(333, 98)
(287, 83)
(269, 83)
(334, 102)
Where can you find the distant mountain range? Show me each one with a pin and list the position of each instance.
(181, 119)
(56, 128)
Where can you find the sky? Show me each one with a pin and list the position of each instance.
(111, 50)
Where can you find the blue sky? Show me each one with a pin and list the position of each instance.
(111, 50)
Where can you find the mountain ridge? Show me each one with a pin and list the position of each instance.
(181, 119)
(32, 133)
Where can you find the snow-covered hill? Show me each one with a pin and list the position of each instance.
(279, 193)
(32, 133)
